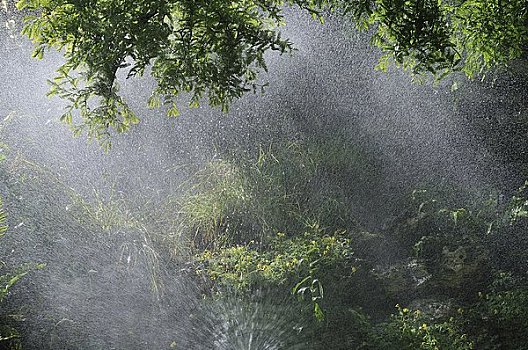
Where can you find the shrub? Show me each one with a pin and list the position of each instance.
(411, 330)
(498, 319)
(299, 264)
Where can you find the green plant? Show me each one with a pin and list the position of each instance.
(411, 330)
(517, 208)
(429, 224)
(8, 335)
(218, 193)
(109, 211)
(495, 320)
(281, 189)
(300, 263)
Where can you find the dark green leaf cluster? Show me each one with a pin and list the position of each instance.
(439, 37)
(411, 330)
(416, 34)
(498, 315)
(489, 32)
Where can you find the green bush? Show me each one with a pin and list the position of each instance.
(299, 264)
(499, 318)
(428, 214)
(411, 330)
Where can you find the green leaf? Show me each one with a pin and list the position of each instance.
(173, 111)
(38, 53)
(295, 289)
(154, 101)
(318, 312)
(134, 119)
(20, 5)
(67, 118)
(3, 219)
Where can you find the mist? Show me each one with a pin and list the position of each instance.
(107, 286)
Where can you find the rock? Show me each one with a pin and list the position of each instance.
(434, 309)
(462, 269)
(404, 280)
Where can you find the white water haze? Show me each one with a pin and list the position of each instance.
(107, 288)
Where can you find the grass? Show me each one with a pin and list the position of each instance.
(281, 188)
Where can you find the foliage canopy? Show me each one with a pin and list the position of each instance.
(215, 49)
(211, 49)
(442, 36)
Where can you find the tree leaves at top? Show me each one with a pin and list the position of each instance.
(416, 34)
(490, 32)
(214, 49)
(442, 36)
(207, 48)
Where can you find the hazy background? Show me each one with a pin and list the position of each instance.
(328, 84)
(416, 135)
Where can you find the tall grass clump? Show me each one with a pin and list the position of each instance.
(99, 250)
(8, 335)
(279, 188)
